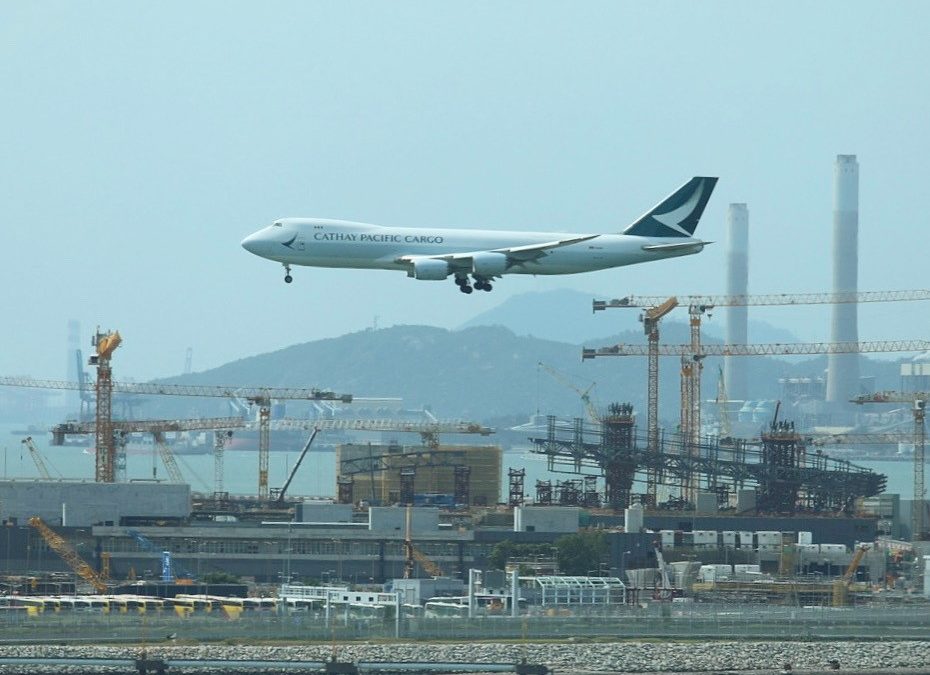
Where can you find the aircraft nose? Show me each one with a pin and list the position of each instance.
(253, 243)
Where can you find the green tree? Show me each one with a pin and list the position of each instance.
(582, 552)
(500, 554)
(220, 578)
(507, 550)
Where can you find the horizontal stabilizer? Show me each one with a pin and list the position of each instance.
(680, 247)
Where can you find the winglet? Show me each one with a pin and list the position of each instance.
(677, 215)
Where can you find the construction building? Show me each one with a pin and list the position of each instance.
(445, 475)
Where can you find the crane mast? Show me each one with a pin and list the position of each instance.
(413, 555)
(105, 457)
(918, 401)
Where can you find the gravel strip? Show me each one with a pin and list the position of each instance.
(620, 657)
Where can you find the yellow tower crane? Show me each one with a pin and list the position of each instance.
(105, 462)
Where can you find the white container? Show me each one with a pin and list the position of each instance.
(633, 518)
(805, 538)
(746, 569)
(707, 574)
(746, 540)
(667, 537)
(723, 571)
(704, 538)
(729, 538)
(768, 540)
(768, 537)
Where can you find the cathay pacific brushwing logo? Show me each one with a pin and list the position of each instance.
(673, 218)
(290, 242)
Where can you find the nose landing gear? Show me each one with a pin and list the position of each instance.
(287, 274)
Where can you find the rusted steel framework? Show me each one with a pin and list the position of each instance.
(516, 478)
(810, 482)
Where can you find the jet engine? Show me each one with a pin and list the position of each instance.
(430, 269)
(489, 264)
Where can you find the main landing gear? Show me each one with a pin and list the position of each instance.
(287, 274)
(481, 284)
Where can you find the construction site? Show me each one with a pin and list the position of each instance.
(709, 510)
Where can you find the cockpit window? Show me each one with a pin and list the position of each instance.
(277, 225)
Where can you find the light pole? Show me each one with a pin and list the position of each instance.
(287, 567)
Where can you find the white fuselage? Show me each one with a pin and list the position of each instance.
(333, 243)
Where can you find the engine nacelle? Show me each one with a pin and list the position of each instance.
(430, 269)
(489, 264)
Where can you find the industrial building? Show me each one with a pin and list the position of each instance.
(85, 503)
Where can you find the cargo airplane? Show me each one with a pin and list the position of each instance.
(474, 258)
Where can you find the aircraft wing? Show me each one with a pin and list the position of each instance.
(516, 255)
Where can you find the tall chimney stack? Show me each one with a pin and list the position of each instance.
(843, 369)
(737, 325)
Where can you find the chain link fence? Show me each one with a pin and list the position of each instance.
(668, 620)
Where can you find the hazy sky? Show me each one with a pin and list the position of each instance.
(140, 142)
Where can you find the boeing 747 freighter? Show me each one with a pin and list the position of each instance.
(474, 258)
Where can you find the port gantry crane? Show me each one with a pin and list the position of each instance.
(655, 307)
(918, 402)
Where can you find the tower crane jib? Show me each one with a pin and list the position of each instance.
(584, 394)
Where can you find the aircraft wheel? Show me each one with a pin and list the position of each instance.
(487, 286)
(288, 278)
(466, 289)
